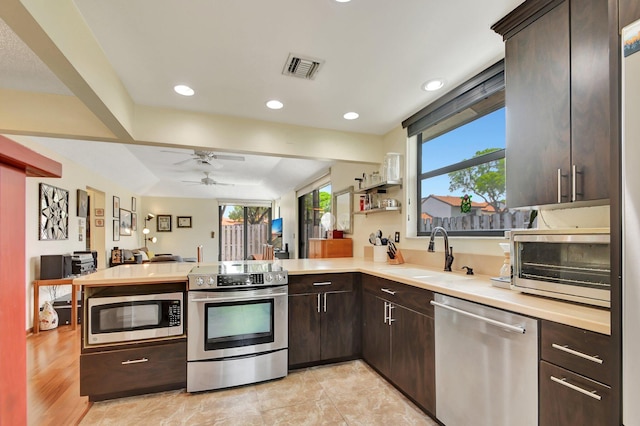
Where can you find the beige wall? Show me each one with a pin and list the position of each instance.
(74, 177)
(182, 241)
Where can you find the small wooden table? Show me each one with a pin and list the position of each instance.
(36, 301)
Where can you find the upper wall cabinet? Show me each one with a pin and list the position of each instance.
(557, 97)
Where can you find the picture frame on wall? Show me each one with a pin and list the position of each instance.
(99, 212)
(99, 223)
(53, 213)
(83, 203)
(134, 221)
(184, 221)
(116, 207)
(163, 223)
(116, 229)
(133, 204)
(125, 222)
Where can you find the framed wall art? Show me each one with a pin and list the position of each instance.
(164, 223)
(116, 229)
(54, 213)
(134, 221)
(99, 223)
(116, 206)
(125, 222)
(99, 212)
(184, 221)
(133, 204)
(83, 203)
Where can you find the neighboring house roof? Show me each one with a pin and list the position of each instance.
(228, 222)
(455, 202)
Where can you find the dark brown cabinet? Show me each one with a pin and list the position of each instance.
(135, 371)
(575, 376)
(398, 337)
(557, 96)
(324, 318)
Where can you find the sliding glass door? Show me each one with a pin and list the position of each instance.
(243, 231)
(311, 207)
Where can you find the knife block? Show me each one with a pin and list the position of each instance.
(396, 260)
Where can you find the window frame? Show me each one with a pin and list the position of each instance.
(485, 84)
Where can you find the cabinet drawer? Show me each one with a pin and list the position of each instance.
(581, 351)
(320, 283)
(567, 398)
(113, 372)
(414, 298)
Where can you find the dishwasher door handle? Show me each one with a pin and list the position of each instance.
(500, 324)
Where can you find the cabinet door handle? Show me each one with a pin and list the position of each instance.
(565, 348)
(390, 319)
(574, 183)
(386, 290)
(322, 283)
(563, 382)
(325, 302)
(559, 185)
(386, 306)
(134, 361)
(318, 302)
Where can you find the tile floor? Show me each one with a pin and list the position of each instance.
(349, 393)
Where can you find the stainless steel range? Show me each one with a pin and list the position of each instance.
(237, 325)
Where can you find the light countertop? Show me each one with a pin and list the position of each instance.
(476, 288)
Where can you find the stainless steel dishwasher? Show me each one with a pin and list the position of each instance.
(486, 365)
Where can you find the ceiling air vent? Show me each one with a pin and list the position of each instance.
(297, 66)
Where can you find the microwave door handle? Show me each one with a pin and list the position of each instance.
(228, 299)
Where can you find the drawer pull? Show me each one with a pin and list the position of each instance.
(322, 283)
(386, 290)
(134, 361)
(566, 349)
(563, 382)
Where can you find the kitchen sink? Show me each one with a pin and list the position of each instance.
(426, 275)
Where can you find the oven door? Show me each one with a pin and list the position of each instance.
(234, 323)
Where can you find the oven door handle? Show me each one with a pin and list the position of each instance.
(223, 299)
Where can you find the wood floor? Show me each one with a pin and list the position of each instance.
(53, 378)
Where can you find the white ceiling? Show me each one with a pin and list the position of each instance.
(377, 55)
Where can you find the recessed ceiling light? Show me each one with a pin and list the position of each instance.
(351, 115)
(433, 85)
(343, 1)
(183, 90)
(274, 104)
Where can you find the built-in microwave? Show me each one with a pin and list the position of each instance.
(133, 313)
(565, 264)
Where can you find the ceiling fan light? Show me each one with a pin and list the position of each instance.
(351, 115)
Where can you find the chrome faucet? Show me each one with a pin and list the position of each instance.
(448, 251)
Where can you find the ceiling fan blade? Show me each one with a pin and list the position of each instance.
(228, 157)
(193, 181)
(222, 184)
(183, 161)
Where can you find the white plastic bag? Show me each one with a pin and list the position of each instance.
(48, 317)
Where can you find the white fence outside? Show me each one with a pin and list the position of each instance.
(496, 221)
(232, 240)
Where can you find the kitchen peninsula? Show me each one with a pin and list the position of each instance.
(405, 321)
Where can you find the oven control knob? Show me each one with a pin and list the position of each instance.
(268, 278)
(211, 281)
(199, 281)
(280, 277)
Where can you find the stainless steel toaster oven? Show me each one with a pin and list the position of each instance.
(565, 264)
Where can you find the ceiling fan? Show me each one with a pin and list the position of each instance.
(207, 181)
(206, 157)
